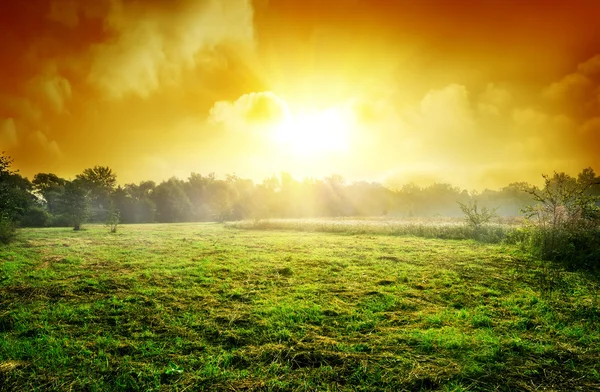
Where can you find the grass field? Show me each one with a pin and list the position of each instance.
(188, 307)
(442, 228)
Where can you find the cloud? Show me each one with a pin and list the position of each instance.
(65, 12)
(493, 100)
(575, 84)
(577, 97)
(414, 140)
(453, 135)
(590, 67)
(20, 108)
(48, 146)
(529, 118)
(591, 127)
(249, 109)
(590, 139)
(538, 133)
(154, 44)
(8, 134)
(447, 111)
(51, 88)
(578, 93)
(437, 125)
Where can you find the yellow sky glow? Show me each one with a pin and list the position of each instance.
(478, 94)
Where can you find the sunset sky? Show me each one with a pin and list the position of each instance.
(475, 93)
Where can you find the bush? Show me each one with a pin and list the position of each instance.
(112, 219)
(564, 224)
(60, 220)
(8, 231)
(35, 217)
(476, 217)
(573, 247)
(490, 233)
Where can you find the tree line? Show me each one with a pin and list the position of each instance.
(95, 196)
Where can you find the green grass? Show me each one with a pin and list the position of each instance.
(202, 307)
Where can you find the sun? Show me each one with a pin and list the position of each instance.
(316, 132)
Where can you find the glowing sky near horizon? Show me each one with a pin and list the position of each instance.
(478, 94)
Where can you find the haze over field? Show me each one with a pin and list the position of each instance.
(478, 95)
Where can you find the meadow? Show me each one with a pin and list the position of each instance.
(205, 306)
(500, 229)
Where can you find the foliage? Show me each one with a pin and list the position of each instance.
(100, 182)
(565, 201)
(101, 177)
(475, 217)
(113, 219)
(207, 198)
(35, 217)
(172, 204)
(8, 230)
(575, 246)
(564, 224)
(60, 220)
(14, 191)
(135, 203)
(75, 203)
(14, 199)
(5, 164)
(50, 188)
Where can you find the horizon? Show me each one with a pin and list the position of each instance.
(473, 95)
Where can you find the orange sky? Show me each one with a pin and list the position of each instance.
(477, 93)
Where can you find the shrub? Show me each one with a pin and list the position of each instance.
(35, 217)
(575, 248)
(8, 230)
(564, 225)
(60, 220)
(112, 219)
(474, 216)
(478, 219)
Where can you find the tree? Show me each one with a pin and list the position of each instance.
(221, 198)
(15, 195)
(5, 163)
(172, 204)
(113, 218)
(197, 191)
(475, 216)
(565, 200)
(100, 177)
(50, 187)
(101, 182)
(564, 222)
(75, 202)
(7, 226)
(137, 205)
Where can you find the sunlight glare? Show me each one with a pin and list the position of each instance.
(316, 132)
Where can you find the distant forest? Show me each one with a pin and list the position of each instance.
(95, 196)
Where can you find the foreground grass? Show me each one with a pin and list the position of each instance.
(202, 307)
